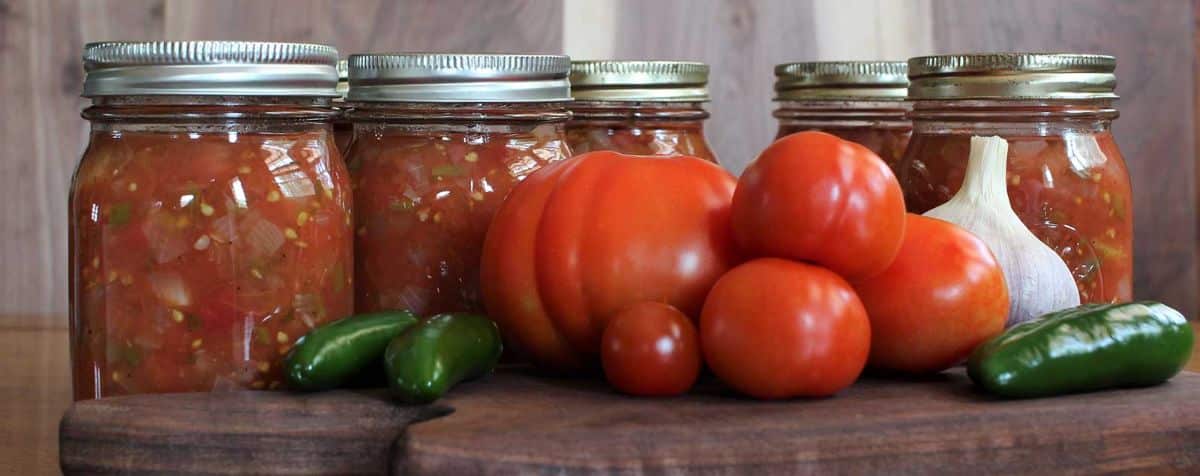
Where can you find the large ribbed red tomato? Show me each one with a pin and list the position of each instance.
(814, 197)
(581, 239)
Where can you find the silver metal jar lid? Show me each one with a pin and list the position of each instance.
(459, 78)
(209, 68)
(841, 80)
(649, 81)
(1013, 76)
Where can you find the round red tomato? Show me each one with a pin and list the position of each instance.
(650, 349)
(581, 239)
(814, 197)
(773, 328)
(943, 295)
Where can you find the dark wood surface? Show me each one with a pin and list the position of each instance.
(514, 423)
(340, 432)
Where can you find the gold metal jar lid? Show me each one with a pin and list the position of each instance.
(1012, 76)
(639, 81)
(841, 80)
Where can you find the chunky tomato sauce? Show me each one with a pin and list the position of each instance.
(199, 258)
(424, 198)
(878, 125)
(640, 140)
(1071, 190)
(639, 130)
(888, 142)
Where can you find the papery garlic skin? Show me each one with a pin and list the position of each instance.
(1038, 279)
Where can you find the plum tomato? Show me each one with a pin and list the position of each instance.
(942, 296)
(811, 196)
(650, 349)
(773, 328)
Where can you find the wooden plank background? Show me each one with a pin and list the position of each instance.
(43, 135)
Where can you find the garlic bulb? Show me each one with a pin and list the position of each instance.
(1038, 280)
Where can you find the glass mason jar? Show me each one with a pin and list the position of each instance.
(860, 101)
(209, 216)
(639, 108)
(1067, 180)
(440, 139)
(343, 129)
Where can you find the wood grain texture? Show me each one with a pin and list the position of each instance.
(1156, 130)
(520, 425)
(34, 392)
(514, 423)
(34, 398)
(338, 432)
(741, 40)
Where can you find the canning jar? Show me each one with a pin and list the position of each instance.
(439, 140)
(639, 108)
(1067, 180)
(860, 101)
(209, 216)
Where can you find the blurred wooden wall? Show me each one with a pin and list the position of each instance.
(42, 134)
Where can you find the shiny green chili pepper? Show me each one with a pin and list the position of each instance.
(428, 359)
(1086, 348)
(335, 353)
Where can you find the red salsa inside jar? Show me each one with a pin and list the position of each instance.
(424, 198)
(888, 142)
(1072, 191)
(439, 141)
(201, 257)
(639, 138)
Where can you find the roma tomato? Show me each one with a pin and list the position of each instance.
(811, 196)
(773, 328)
(581, 239)
(650, 349)
(943, 295)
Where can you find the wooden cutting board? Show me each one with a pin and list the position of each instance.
(515, 423)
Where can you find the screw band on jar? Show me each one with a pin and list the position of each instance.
(841, 80)
(209, 68)
(1012, 76)
(458, 78)
(639, 81)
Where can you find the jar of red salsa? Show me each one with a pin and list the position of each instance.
(860, 101)
(209, 216)
(439, 140)
(1067, 180)
(639, 107)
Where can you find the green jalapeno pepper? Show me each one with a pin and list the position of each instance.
(336, 353)
(1086, 348)
(428, 359)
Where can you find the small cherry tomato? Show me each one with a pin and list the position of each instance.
(650, 349)
(811, 196)
(773, 328)
(942, 296)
